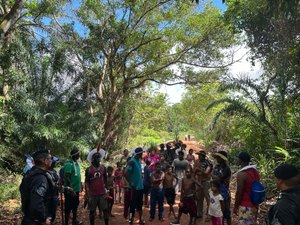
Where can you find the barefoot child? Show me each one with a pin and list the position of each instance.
(118, 181)
(127, 195)
(216, 204)
(147, 182)
(110, 187)
(157, 192)
(170, 183)
(187, 198)
(190, 157)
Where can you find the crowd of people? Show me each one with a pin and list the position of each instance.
(161, 175)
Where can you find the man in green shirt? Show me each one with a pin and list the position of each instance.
(72, 179)
(133, 175)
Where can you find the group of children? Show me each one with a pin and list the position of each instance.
(159, 182)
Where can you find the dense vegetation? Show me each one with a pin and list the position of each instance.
(89, 73)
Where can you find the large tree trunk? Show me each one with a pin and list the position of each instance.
(110, 124)
(7, 20)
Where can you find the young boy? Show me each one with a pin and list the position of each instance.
(118, 181)
(127, 194)
(147, 182)
(110, 187)
(157, 192)
(169, 187)
(187, 198)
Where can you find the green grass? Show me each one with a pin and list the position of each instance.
(9, 186)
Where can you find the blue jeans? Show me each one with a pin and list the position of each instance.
(157, 196)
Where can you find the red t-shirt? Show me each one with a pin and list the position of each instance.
(95, 179)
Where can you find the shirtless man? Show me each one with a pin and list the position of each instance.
(157, 192)
(170, 183)
(110, 187)
(202, 170)
(187, 198)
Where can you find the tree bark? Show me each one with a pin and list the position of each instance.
(8, 19)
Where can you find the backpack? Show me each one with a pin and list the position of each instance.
(258, 192)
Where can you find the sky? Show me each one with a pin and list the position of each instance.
(243, 66)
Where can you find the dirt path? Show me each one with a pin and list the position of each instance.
(13, 216)
(118, 218)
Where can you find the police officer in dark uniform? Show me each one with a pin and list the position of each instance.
(37, 190)
(286, 211)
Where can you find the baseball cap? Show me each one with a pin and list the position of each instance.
(244, 157)
(286, 171)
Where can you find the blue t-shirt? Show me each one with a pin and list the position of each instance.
(134, 168)
(147, 178)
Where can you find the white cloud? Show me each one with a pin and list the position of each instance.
(174, 93)
(242, 66)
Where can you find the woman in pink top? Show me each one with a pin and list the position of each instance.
(190, 157)
(153, 156)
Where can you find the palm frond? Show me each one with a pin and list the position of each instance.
(218, 102)
(235, 107)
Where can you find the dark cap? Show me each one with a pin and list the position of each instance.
(138, 150)
(244, 157)
(286, 171)
(96, 155)
(39, 152)
(74, 151)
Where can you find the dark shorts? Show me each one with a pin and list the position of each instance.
(189, 206)
(170, 195)
(136, 200)
(227, 213)
(97, 201)
(27, 221)
(71, 201)
(111, 194)
(147, 190)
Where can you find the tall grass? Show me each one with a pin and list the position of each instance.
(9, 185)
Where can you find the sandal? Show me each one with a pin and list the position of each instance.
(142, 222)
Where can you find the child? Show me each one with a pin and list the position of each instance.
(118, 180)
(190, 157)
(216, 205)
(157, 192)
(127, 195)
(147, 182)
(110, 187)
(187, 198)
(170, 183)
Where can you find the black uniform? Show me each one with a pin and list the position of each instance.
(286, 211)
(38, 196)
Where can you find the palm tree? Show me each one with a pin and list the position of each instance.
(248, 99)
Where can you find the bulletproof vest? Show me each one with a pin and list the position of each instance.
(26, 184)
